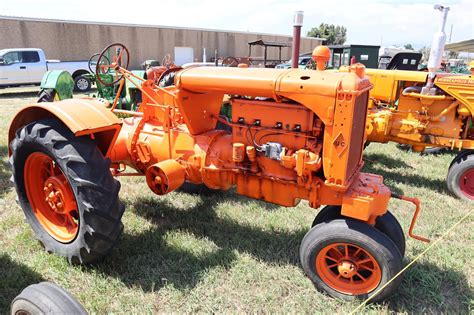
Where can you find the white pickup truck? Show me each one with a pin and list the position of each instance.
(26, 66)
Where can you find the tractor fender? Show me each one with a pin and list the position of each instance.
(82, 116)
(60, 81)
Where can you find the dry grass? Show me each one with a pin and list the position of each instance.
(224, 252)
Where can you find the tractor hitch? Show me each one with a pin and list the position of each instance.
(416, 202)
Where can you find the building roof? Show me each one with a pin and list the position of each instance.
(463, 46)
(352, 45)
(261, 42)
(21, 18)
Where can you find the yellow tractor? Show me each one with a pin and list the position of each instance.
(400, 112)
(423, 110)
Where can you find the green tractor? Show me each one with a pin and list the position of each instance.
(58, 85)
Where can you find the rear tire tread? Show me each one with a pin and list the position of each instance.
(101, 209)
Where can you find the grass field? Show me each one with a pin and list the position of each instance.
(226, 253)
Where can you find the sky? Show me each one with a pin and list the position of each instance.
(372, 22)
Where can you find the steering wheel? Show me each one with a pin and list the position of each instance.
(230, 62)
(92, 64)
(120, 57)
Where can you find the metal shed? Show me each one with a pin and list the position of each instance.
(341, 55)
(268, 63)
(463, 46)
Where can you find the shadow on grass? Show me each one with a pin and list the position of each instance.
(16, 93)
(428, 289)
(386, 160)
(149, 261)
(14, 278)
(391, 172)
(5, 172)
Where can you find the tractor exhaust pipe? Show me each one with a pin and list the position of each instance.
(295, 51)
(437, 50)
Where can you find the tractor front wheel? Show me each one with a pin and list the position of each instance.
(350, 260)
(66, 191)
(460, 179)
(386, 223)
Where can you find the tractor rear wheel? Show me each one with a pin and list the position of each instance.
(460, 177)
(66, 191)
(47, 95)
(349, 259)
(386, 223)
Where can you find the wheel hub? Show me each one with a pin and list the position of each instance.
(466, 183)
(51, 197)
(82, 84)
(54, 190)
(347, 269)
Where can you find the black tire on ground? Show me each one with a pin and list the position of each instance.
(461, 165)
(87, 172)
(327, 214)
(390, 226)
(45, 298)
(82, 84)
(386, 223)
(460, 155)
(46, 95)
(356, 234)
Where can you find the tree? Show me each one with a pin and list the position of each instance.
(334, 34)
(408, 46)
(425, 51)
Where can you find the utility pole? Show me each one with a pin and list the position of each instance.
(450, 33)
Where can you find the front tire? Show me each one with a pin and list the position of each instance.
(82, 84)
(460, 179)
(386, 223)
(66, 191)
(350, 260)
(45, 298)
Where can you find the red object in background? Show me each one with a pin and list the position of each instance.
(353, 60)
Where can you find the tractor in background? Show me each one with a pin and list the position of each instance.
(58, 85)
(400, 112)
(424, 110)
(294, 135)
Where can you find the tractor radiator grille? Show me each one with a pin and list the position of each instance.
(357, 135)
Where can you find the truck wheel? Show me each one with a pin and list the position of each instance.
(45, 298)
(82, 84)
(386, 223)
(460, 178)
(47, 95)
(66, 191)
(350, 260)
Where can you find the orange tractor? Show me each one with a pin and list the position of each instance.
(295, 135)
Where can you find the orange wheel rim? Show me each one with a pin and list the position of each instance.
(348, 268)
(51, 197)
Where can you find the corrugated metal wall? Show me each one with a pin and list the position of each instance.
(78, 41)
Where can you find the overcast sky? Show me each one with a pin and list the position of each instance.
(368, 21)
